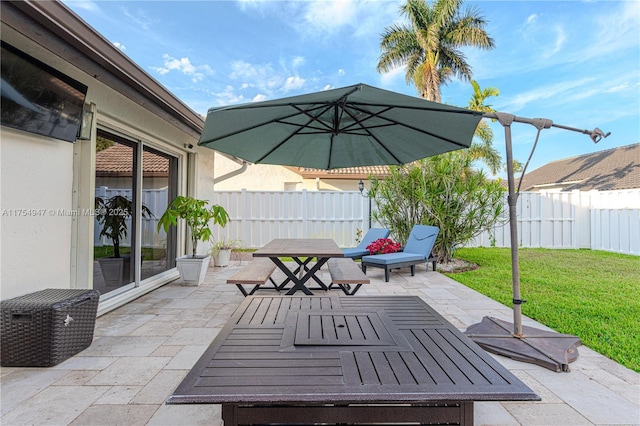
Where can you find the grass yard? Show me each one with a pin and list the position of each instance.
(594, 295)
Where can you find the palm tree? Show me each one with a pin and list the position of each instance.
(484, 149)
(429, 46)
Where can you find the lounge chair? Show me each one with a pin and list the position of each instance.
(371, 235)
(417, 250)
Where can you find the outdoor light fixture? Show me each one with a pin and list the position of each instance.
(362, 192)
(548, 349)
(86, 125)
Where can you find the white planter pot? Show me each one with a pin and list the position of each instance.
(193, 270)
(222, 258)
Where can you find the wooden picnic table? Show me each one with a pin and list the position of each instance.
(303, 251)
(306, 360)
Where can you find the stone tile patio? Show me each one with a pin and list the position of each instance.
(143, 350)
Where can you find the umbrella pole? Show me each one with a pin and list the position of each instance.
(549, 349)
(506, 120)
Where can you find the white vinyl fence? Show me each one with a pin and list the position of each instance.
(257, 217)
(608, 220)
(599, 220)
(605, 220)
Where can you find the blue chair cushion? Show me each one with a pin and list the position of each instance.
(392, 258)
(355, 252)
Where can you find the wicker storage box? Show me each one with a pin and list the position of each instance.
(44, 328)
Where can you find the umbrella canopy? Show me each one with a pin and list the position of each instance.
(352, 126)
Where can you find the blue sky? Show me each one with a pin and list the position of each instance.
(576, 63)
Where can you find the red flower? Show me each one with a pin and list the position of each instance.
(383, 246)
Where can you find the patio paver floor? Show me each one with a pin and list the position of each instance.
(142, 351)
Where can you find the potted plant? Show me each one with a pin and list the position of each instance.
(221, 251)
(197, 216)
(113, 214)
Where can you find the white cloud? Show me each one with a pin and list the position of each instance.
(242, 70)
(91, 6)
(266, 79)
(532, 18)
(560, 40)
(561, 90)
(297, 61)
(228, 96)
(139, 18)
(251, 4)
(330, 14)
(259, 97)
(120, 46)
(183, 65)
(389, 78)
(341, 72)
(618, 88)
(293, 83)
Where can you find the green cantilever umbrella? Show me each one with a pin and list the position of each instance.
(361, 125)
(352, 126)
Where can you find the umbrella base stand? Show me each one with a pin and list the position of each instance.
(545, 348)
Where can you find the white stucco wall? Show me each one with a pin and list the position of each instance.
(36, 192)
(257, 177)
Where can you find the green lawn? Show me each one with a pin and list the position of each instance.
(147, 253)
(594, 295)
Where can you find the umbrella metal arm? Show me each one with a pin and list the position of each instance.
(506, 120)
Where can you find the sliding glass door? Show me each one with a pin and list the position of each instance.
(159, 186)
(118, 223)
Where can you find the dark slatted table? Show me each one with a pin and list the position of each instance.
(356, 360)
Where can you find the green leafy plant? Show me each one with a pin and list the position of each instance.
(443, 191)
(358, 235)
(112, 213)
(197, 215)
(224, 244)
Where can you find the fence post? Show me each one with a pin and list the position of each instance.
(304, 212)
(245, 233)
(582, 231)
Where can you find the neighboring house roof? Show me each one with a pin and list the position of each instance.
(611, 169)
(116, 161)
(345, 173)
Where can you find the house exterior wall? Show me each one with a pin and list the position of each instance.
(257, 177)
(48, 187)
(261, 177)
(36, 180)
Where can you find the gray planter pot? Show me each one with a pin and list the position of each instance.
(112, 269)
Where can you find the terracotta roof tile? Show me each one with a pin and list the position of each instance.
(117, 160)
(611, 169)
(345, 173)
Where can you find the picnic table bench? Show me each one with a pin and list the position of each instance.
(345, 273)
(256, 273)
(370, 359)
